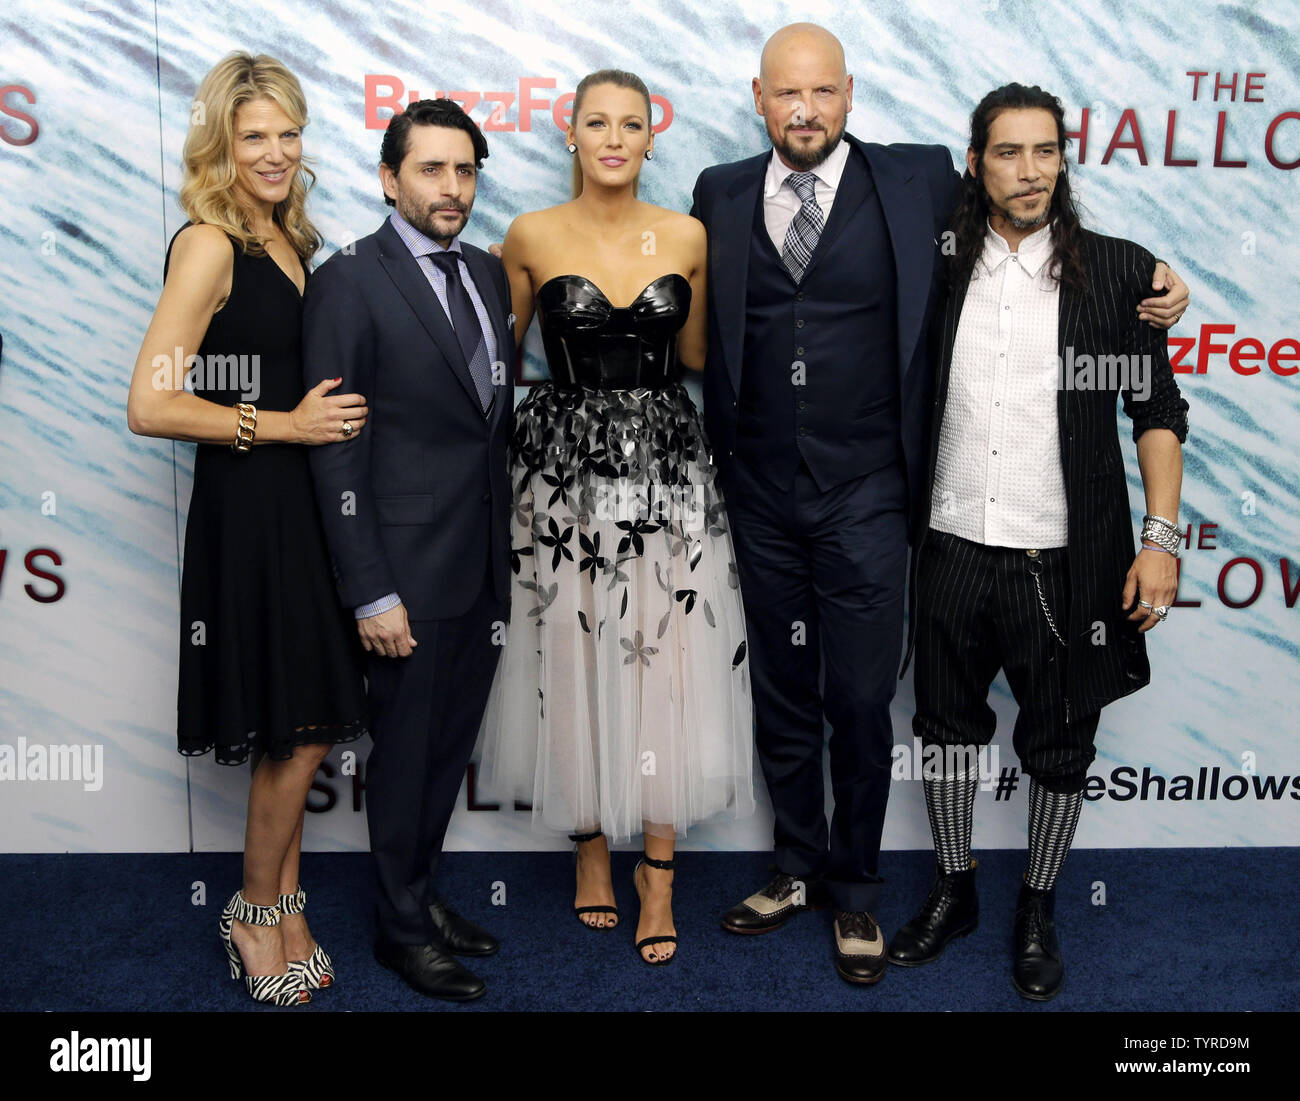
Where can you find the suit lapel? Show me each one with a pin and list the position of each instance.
(953, 303)
(729, 242)
(411, 283)
(1069, 328)
(852, 191)
(485, 284)
(908, 216)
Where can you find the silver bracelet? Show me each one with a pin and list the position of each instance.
(1149, 519)
(1163, 538)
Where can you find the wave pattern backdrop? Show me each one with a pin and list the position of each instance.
(92, 517)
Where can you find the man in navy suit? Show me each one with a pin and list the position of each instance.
(823, 275)
(415, 510)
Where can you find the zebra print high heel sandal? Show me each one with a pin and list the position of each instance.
(317, 970)
(286, 989)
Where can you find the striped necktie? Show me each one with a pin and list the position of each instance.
(469, 331)
(806, 228)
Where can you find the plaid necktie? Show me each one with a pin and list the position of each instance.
(806, 228)
(469, 332)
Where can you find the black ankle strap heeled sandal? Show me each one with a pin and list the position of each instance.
(667, 866)
(578, 911)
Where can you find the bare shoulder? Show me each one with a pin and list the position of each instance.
(202, 252)
(202, 242)
(534, 224)
(679, 227)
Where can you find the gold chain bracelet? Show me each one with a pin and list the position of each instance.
(247, 428)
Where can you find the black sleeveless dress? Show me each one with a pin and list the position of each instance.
(622, 695)
(269, 658)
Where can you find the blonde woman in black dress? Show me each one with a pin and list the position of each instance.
(269, 660)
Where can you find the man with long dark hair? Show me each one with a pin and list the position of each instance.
(1025, 557)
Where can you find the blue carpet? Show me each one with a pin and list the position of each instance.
(1180, 929)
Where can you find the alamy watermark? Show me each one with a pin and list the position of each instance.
(211, 372)
(1105, 372)
(654, 502)
(31, 761)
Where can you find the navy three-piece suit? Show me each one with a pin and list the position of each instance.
(817, 399)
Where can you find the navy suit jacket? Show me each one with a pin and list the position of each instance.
(917, 188)
(418, 503)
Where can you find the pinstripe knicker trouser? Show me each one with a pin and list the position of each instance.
(978, 611)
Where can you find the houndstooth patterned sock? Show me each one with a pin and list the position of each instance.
(950, 803)
(1053, 817)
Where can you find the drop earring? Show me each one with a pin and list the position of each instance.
(649, 154)
(571, 148)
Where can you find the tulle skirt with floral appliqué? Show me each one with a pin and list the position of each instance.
(622, 698)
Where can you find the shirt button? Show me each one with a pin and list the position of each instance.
(997, 403)
(1002, 355)
(799, 324)
(993, 500)
(994, 452)
(799, 297)
(1006, 307)
(803, 405)
(803, 431)
(798, 351)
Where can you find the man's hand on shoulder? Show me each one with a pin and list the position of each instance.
(1164, 312)
(388, 633)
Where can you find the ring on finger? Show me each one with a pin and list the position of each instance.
(347, 429)
(1161, 611)
(1144, 604)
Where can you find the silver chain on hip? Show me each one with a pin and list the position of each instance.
(1035, 569)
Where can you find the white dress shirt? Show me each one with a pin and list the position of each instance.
(781, 204)
(999, 479)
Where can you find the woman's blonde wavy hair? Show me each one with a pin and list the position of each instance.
(208, 187)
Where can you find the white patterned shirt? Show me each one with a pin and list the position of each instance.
(999, 479)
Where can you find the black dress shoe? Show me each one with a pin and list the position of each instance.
(429, 970)
(457, 935)
(859, 947)
(951, 910)
(775, 904)
(1038, 971)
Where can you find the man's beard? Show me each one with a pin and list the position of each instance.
(422, 218)
(1015, 219)
(806, 161)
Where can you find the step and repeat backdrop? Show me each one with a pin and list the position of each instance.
(1186, 123)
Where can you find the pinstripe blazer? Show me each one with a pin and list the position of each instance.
(1107, 663)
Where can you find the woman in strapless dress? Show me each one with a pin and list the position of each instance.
(621, 705)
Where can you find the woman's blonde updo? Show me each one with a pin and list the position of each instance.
(620, 79)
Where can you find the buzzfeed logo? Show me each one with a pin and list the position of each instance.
(1246, 356)
(384, 90)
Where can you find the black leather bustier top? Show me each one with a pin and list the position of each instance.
(590, 342)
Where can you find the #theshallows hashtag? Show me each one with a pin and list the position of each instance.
(1008, 781)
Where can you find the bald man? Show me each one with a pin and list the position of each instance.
(823, 275)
